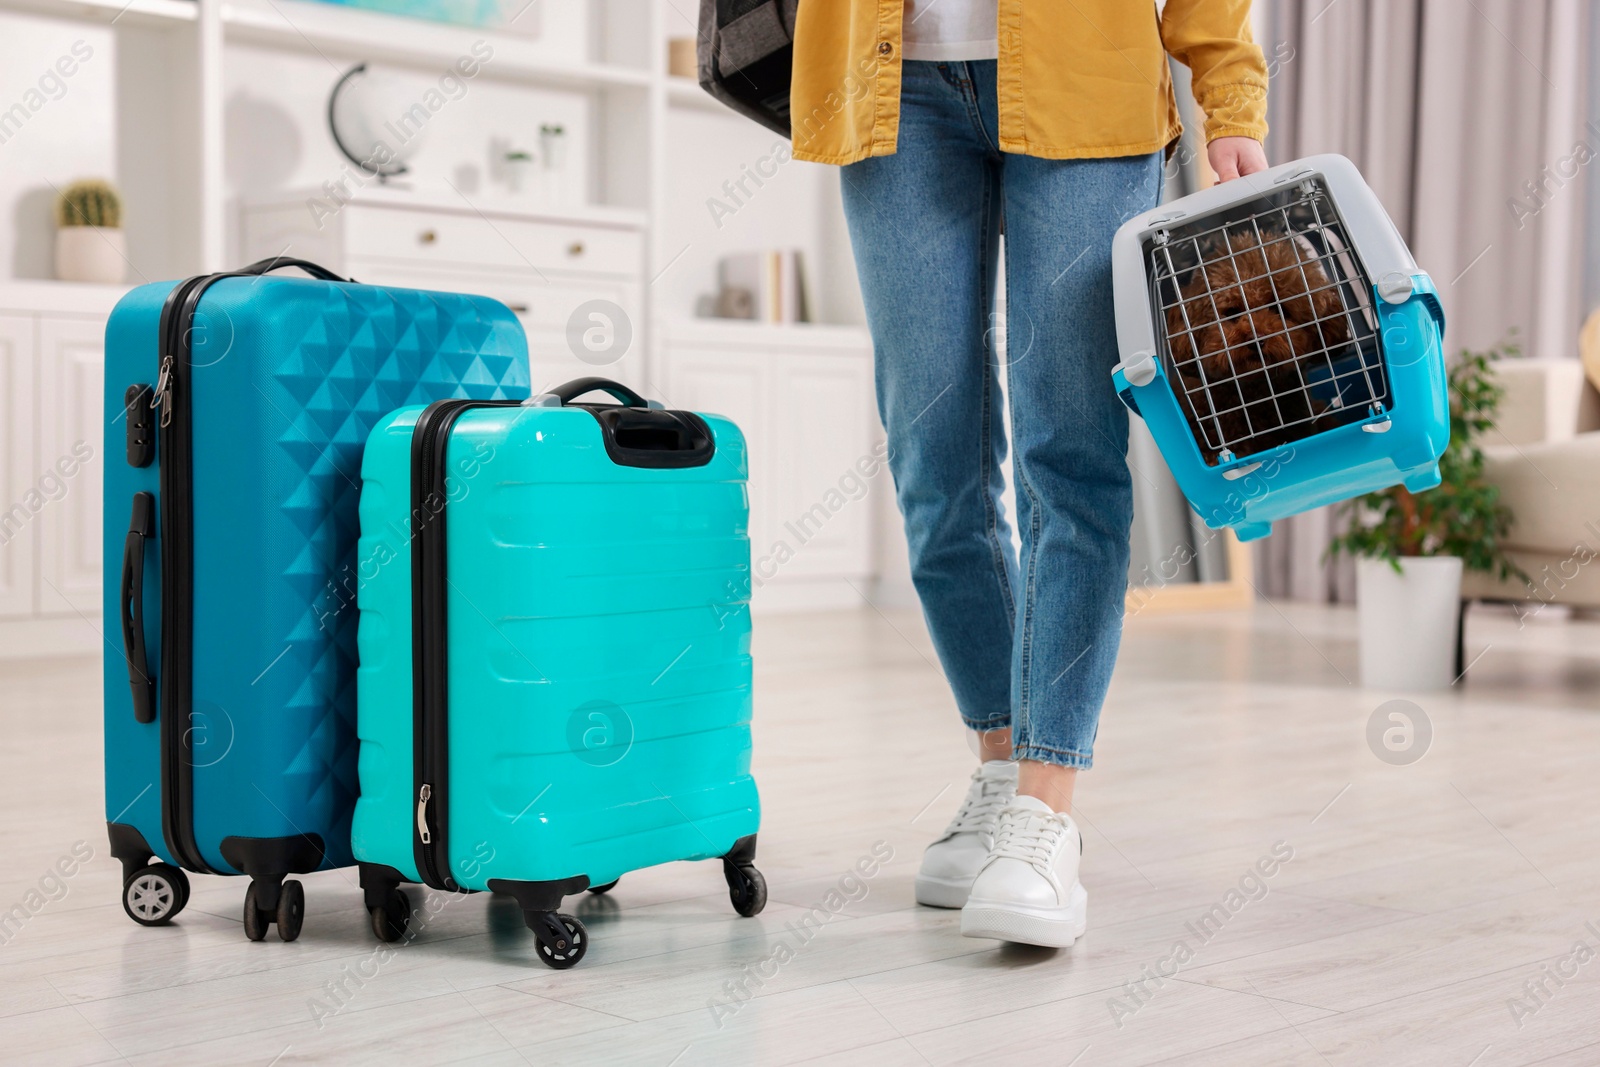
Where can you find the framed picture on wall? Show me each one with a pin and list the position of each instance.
(524, 18)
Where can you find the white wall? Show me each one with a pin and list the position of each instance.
(68, 133)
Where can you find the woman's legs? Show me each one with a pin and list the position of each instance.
(1069, 440)
(925, 228)
(1074, 507)
(1028, 651)
(924, 225)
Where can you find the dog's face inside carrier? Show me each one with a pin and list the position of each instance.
(1267, 317)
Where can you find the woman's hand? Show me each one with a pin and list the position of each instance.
(1234, 157)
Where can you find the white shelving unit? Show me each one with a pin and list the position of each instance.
(174, 129)
(209, 97)
(134, 13)
(171, 95)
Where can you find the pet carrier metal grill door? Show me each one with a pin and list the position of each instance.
(1281, 343)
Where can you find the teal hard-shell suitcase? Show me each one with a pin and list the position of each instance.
(236, 408)
(554, 680)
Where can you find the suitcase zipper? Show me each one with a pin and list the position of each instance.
(175, 470)
(430, 652)
(162, 396)
(422, 813)
(176, 538)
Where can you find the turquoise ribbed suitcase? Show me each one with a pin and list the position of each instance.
(554, 680)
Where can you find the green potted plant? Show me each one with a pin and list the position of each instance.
(518, 165)
(1411, 548)
(90, 246)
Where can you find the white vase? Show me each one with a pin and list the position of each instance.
(519, 173)
(1408, 622)
(91, 254)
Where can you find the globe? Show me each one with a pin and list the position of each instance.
(377, 120)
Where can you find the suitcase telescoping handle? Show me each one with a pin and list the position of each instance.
(265, 266)
(140, 683)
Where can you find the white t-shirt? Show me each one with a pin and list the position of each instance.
(950, 30)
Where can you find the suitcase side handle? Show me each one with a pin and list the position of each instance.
(266, 266)
(142, 686)
(562, 395)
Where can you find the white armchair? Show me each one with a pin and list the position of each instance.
(1545, 457)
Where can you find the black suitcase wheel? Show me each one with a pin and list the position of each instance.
(608, 887)
(746, 888)
(562, 938)
(154, 894)
(291, 910)
(389, 922)
(256, 921)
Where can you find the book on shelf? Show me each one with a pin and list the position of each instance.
(766, 286)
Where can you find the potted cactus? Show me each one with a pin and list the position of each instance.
(90, 245)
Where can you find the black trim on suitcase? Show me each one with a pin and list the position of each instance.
(177, 572)
(128, 847)
(171, 403)
(378, 882)
(430, 651)
(540, 896)
(267, 859)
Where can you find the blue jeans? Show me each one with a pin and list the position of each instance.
(1027, 642)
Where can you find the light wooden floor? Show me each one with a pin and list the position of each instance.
(1418, 903)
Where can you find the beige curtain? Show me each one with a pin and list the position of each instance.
(1468, 118)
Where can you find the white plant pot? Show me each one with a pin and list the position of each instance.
(519, 175)
(1408, 622)
(91, 254)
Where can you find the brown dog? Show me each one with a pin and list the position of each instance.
(1239, 334)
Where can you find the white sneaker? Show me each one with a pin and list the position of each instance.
(1028, 890)
(950, 863)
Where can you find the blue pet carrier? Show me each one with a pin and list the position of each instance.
(1281, 344)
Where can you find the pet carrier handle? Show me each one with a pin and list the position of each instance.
(140, 684)
(1422, 285)
(266, 266)
(563, 395)
(1130, 374)
(1142, 371)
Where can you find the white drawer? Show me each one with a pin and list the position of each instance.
(541, 305)
(427, 237)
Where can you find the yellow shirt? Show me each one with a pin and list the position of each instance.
(1078, 79)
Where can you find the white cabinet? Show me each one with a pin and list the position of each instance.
(575, 281)
(803, 395)
(19, 495)
(709, 379)
(822, 462)
(52, 372)
(72, 365)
